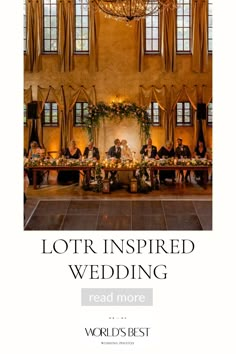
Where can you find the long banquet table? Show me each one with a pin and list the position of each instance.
(133, 167)
(35, 169)
(204, 168)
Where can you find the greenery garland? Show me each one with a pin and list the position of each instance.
(116, 109)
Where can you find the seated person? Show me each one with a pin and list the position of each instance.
(69, 177)
(166, 152)
(115, 150)
(35, 153)
(183, 151)
(91, 152)
(126, 153)
(200, 152)
(150, 151)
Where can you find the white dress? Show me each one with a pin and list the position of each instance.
(126, 153)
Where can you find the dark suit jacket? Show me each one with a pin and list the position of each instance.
(182, 151)
(95, 153)
(145, 153)
(112, 152)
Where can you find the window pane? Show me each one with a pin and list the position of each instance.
(183, 25)
(180, 46)
(152, 32)
(186, 45)
(53, 22)
(53, 33)
(46, 10)
(81, 26)
(50, 25)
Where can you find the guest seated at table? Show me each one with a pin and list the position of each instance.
(200, 152)
(126, 153)
(149, 151)
(166, 152)
(91, 152)
(183, 151)
(34, 151)
(69, 177)
(115, 150)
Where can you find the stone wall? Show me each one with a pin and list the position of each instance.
(117, 79)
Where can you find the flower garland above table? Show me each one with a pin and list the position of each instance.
(120, 110)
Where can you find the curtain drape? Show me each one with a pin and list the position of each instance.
(199, 41)
(48, 94)
(140, 45)
(93, 37)
(154, 94)
(177, 95)
(206, 98)
(66, 33)
(168, 39)
(27, 99)
(33, 35)
(81, 94)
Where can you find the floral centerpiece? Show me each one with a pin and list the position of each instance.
(58, 162)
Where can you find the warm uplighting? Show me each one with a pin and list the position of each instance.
(129, 10)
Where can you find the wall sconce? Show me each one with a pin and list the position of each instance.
(133, 185)
(106, 186)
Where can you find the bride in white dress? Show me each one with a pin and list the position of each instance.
(126, 153)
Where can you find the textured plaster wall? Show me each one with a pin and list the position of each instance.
(117, 78)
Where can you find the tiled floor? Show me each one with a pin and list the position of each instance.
(122, 214)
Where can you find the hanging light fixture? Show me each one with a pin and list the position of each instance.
(129, 10)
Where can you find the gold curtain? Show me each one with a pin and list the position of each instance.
(66, 33)
(79, 94)
(46, 94)
(168, 39)
(28, 95)
(27, 99)
(206, 98)
(177, 95)
(33, 35)
(140, 47)
(154, 94)
(93, 37)
(200, 41)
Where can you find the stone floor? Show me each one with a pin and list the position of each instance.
(121, 215)
(172, 207)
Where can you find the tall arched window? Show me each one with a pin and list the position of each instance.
(81, 26)
(210, 8)
(25, 26)
(152, 33)
(50, 26)
(183, 26)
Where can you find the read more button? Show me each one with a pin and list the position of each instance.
(116, 297)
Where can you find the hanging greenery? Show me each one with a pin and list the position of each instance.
(116, 110)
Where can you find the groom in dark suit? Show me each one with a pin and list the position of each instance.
(115, 150)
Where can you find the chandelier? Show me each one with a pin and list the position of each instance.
(129, 10)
